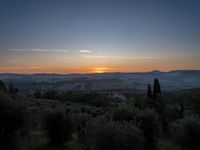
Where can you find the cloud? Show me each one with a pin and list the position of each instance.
(20, 67)
(41, 50)
(85, 51)
(120, 57)
(82, 51)
(98, 56)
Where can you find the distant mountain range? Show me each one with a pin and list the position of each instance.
(172, 80)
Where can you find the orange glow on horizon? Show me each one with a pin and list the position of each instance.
(102, 70)
(61, 70)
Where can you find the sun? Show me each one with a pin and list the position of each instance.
(101, 70)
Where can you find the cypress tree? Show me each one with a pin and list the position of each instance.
(149, 91)
(156, 88)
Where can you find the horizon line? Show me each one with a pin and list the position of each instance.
(98, 73)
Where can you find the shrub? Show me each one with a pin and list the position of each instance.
(50, 94)
(80, 122)
(147, 121)
(12, 121)
(104, 135)
(187, 132)
(58, 127)
(170, 114)
(37, 94)
(123, 113)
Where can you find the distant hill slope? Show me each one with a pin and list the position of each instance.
(172, 80)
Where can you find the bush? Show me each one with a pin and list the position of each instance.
(50, 94)
(123, 113)
(58, 127)
(147, 121)
(12, 121)
(187, 132)
(80, 122)
(37, 94)
(104, 135)
(170, 114)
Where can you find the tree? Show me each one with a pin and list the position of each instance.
(187, 132)
(148, 122)
(123, 113)
(12, 89)
(156, 88)
(58, 127)
(37, 94)
(13, 119)
(108, 135)
(149, 91)
(50, 94)
(2, 86)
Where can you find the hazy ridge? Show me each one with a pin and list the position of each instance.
(172, 80)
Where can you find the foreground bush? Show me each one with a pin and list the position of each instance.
(58, 127)
(123, 113)
(147, 121)
(80, 122)
(12, 121)
(104, 135)
(187, 133)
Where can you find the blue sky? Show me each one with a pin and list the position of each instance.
(120, 34)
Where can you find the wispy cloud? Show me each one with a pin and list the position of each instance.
(20, 67)
(81, 51)
(99, 56)
(85, 51)
(41, 50)
(119, 57)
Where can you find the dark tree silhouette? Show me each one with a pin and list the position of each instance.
(182, 111)
(156, 88)
(2, 86)
(11, 89)
(37, 94)
(149, 91)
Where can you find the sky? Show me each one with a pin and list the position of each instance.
(96, 36)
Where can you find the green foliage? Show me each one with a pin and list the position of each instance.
(187, 132)
(140, 102)
(156, 88)
(149, 91)
(57, 126)
(123, 113)
(50, 94)
(192, 101)
(12, 121)
(90, 98)
(103, 135)
(12, 89)
(2, 86)
(147, 121)
(37, 94)
(170, 114)
(80, 122)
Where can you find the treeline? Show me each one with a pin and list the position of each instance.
(91, 98)
(135, 125)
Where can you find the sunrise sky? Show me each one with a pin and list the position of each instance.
(96, 36)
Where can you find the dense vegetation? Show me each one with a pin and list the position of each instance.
(92, 121)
